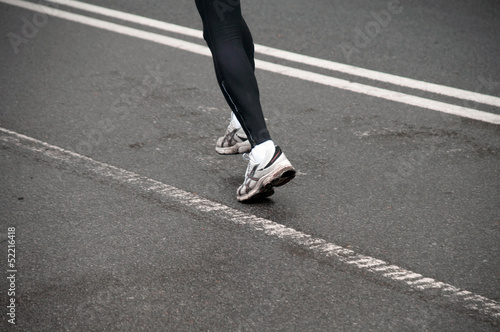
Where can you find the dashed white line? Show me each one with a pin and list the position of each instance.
(268, 66)
(143, 185)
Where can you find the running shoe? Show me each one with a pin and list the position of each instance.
(234, 141)
(261, 178)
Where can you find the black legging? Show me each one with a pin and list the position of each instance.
(231, 44)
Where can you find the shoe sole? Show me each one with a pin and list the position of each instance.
(265, 185)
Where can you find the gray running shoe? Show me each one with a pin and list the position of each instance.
(260, 179)
(234, 141)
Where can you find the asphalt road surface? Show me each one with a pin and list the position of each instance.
(116, 214)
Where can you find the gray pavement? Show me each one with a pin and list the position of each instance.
(410, 186)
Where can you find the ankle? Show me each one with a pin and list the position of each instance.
(262, 150)
(235, 122)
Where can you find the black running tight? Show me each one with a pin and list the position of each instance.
(231, 44)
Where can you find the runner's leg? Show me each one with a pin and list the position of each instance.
(231, 44)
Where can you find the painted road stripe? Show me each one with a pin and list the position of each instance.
(380, 93)
(268, 66)
(85, 166)
(295, 57)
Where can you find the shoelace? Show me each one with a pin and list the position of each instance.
(247, 157)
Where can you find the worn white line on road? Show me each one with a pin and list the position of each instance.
(143, 185)
(295, 57)
(268, 66)
(380, 93)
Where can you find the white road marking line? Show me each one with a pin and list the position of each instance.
(295, 57)
(131, 18)
(283, 70)
(144, 185)
(380, 93)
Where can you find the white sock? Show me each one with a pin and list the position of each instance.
(262, 150)
(235, 121)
